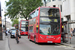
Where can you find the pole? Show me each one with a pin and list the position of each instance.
(45, 2)
(67, 32)
(5, 24)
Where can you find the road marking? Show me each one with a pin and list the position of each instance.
(65, 47)
(57, 46)
(69, 48)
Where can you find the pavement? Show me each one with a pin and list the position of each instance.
(71, 42)
(4, 43)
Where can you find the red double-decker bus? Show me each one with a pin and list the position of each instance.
(24, 27)
(45, 25)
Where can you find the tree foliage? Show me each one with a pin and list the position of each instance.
(22, 7)
(15, 21)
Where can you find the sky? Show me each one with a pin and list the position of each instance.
(3, 7)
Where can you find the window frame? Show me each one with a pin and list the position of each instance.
(31, 29)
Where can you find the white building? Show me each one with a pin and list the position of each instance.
(21, 18)
(68, 8)
(8, 24)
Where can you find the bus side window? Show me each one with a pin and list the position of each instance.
(36, 29)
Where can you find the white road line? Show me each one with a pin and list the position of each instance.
(65, 47)
(69, 48)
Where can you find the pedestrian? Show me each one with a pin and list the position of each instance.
(71, 32)
(17, 34)
(63, 35)
(6, 32)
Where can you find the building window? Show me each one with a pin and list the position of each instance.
(68, 17)
(61, 8)
(54, 5)
(44, 1)
(53, 0)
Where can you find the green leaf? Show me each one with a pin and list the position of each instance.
(22, 7)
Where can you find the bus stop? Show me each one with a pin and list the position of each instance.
(71, 39)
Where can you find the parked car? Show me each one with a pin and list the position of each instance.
(13, 31)
(12, 28)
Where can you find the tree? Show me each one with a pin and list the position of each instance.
(22, 7)
(15, 21)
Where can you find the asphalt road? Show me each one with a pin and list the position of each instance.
(25, 44)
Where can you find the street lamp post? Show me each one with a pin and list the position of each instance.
(45, 2)
(5, 23)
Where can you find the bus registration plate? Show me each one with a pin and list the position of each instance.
(49, 42)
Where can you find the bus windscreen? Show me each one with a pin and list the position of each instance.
(47, 29)
(49, 21)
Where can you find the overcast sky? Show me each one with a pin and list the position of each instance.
(3, 7)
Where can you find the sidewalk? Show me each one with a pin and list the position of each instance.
(4, 43)
(70, 43)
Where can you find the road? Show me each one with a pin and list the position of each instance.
(25, 44)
